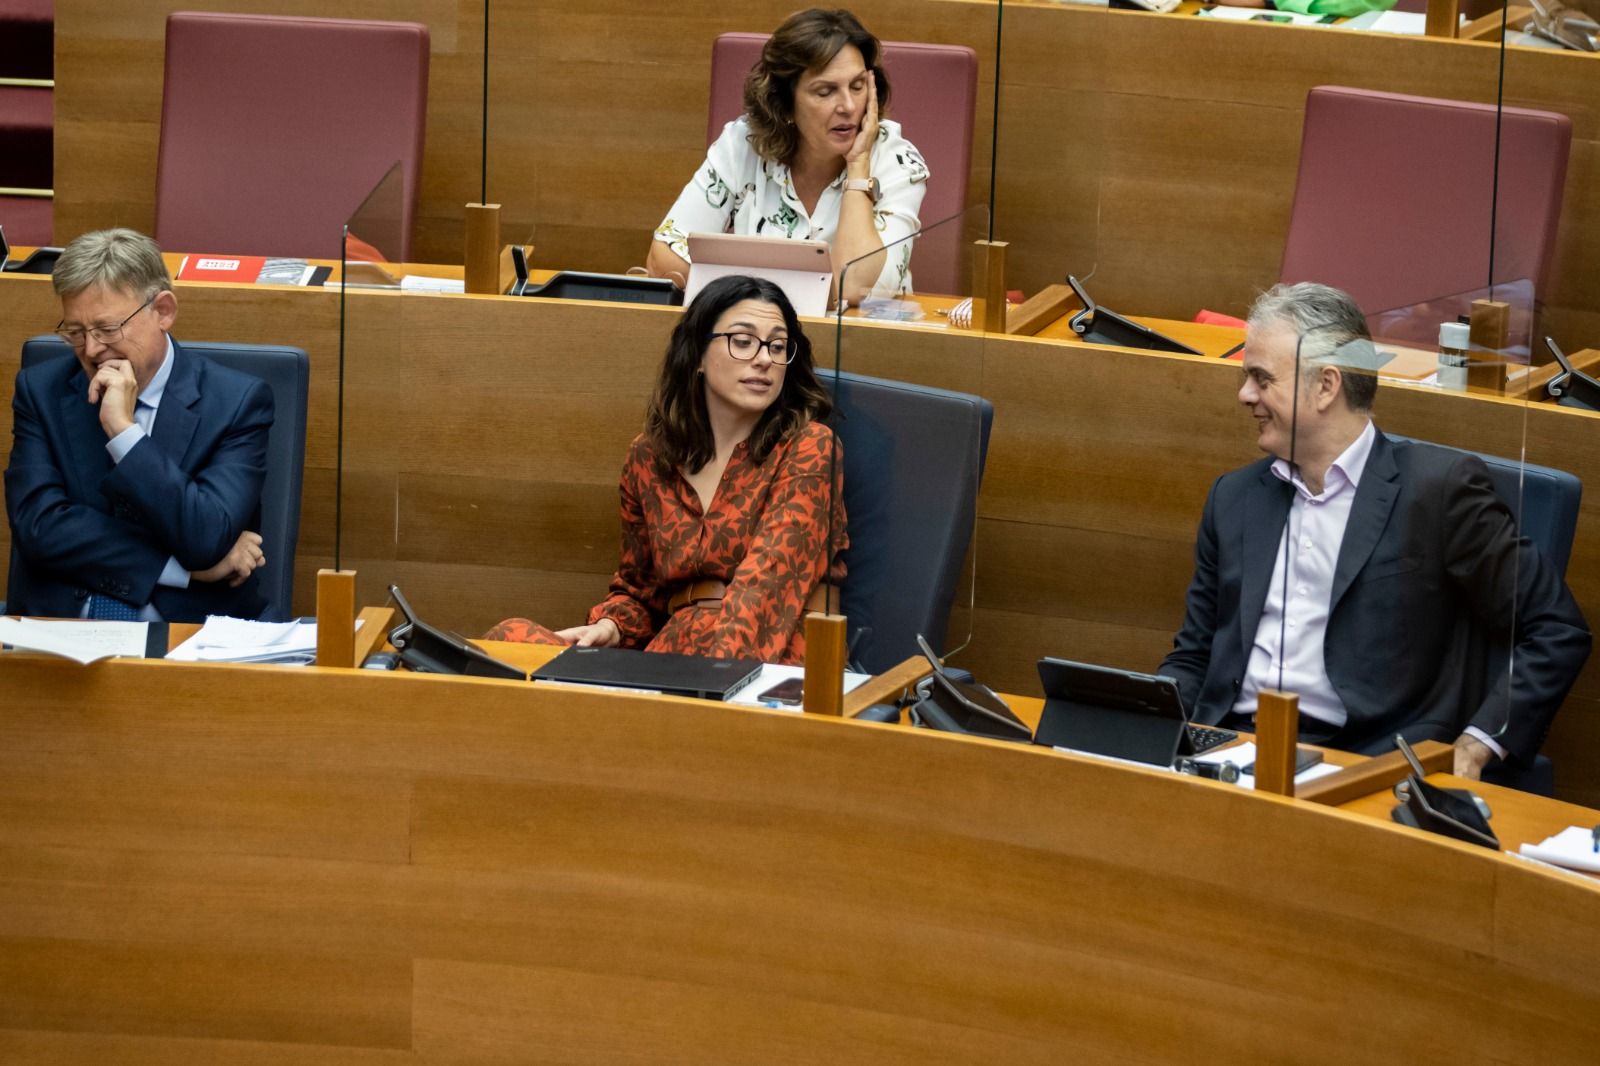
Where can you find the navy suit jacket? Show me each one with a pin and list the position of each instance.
(1420, 636)
(82, 524)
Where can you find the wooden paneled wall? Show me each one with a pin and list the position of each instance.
(240, 867)
(1156, 152)
(484, 435)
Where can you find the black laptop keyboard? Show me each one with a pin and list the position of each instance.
(1203, 738)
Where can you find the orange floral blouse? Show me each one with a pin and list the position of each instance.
(763, 536)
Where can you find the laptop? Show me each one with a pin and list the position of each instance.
(650, 671)
(802, 269)
(1119, 713)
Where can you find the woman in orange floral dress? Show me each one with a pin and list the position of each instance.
(730, 495)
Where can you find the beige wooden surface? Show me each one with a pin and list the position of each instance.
(484, 436)
(250, 865)
(1157, 153)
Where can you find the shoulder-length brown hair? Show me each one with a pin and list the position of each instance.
(807, 40)
(676, 422)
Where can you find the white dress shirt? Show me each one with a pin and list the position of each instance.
(1289, 640)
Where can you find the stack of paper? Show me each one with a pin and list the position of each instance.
(84, 641)
(235, 640)
(1573, 847)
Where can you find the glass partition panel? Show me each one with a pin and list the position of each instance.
(371, 243)
(1054, 102)
(905, 372)
(1547, 193)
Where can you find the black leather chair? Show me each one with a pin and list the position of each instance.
(913, 463)
(288, 372)
(1545, 501)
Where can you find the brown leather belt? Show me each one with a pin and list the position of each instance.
(707, 591)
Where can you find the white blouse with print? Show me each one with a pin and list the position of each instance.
(736, 191)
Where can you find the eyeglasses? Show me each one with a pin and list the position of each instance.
(744, 346)
(75, 335)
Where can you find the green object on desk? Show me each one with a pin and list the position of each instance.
(1341, 8)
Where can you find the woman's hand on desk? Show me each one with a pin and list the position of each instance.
(603, 634)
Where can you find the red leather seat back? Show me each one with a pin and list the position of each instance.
(935, 89)
(1394, 196)
(274, 130)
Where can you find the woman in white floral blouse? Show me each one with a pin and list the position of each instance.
(811, 158)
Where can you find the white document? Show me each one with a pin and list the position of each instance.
(1256, 14)
(422, 283)
(85, 641)
(1573, 848)
(1410, 23)
(772, 673)
(237, 640)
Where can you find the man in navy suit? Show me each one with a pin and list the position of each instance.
(1380, 580)
(136, 469)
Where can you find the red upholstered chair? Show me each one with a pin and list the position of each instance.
(273, 130)
(27, 220)
(1394, 196)
(935, 89)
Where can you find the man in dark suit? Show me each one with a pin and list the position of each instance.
(136, 468)
(1382, 581)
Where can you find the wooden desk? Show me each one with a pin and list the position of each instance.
(483, 436)
(1519, 818)
(342, 866)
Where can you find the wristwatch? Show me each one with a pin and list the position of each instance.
(867, 185)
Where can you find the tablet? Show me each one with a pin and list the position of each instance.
(802, 269)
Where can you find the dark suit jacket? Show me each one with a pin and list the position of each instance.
(82, 524)
(1420, 636)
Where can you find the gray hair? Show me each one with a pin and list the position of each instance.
(118, 259)
(1326, 319)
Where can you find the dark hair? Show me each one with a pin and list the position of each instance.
(676, 422)
(806, 41)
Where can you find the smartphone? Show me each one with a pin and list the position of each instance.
(788, 692)
(1304, 759)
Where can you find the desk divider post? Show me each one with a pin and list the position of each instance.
(482, 257)
(989, 286)
(825, 652)
(1490, 329)
(373, 633)
(1377, 773)
(1443, 18)
(1277, 731)
(1040, 309)
(336, 618)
